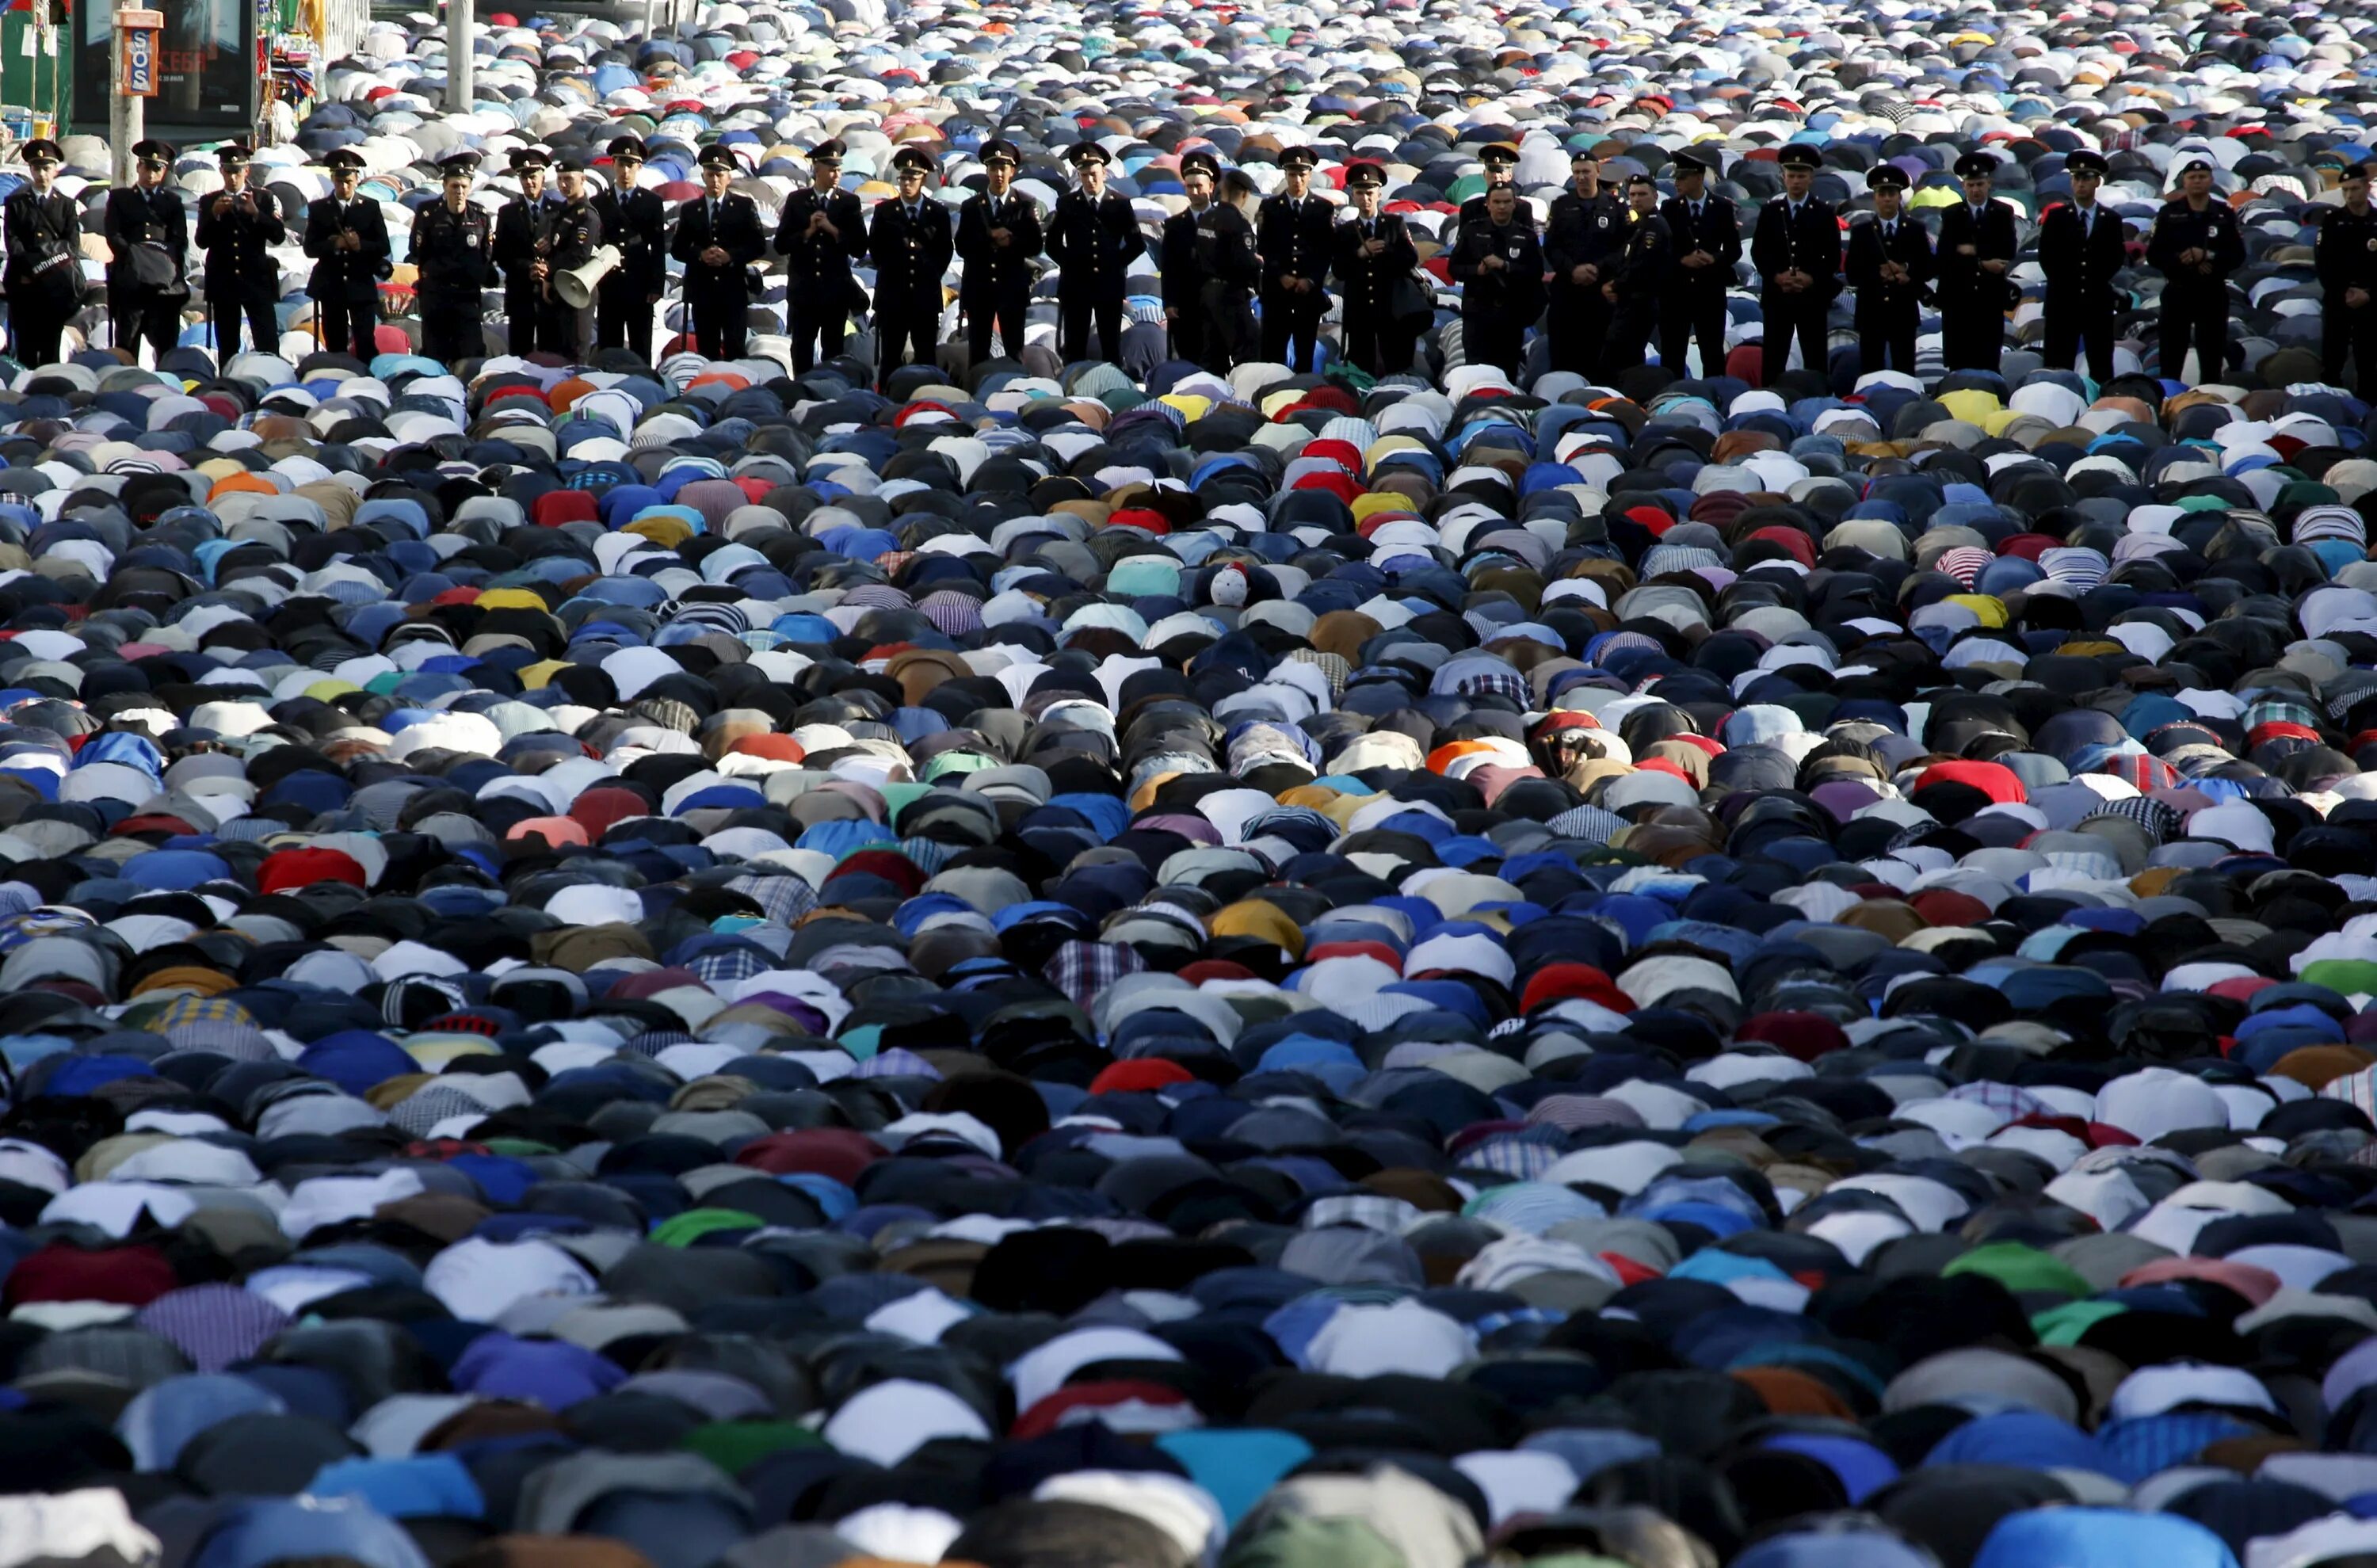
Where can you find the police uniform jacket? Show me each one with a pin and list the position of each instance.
(133, 215)
(352, 275)
(1293, 237)
(1094, 244)
(1369, 280)
(1717, 231)
(1514, 292)
(2179, 227)
(239, 261)
(994, 271)
(44, 236)
(1908, 246)
(1216, 246)
(2080, 260)
(2345, 253)
(818, 258)
(454, 251)
(912, 254)
(637, 222)
(518, 228)
(1810, 243)
(1579, 231)
(739, 235)
(1992, 235)
(1642, 266)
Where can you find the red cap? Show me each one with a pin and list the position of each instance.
(1144, 1075)
(1561, 982)
(132, 1276)
(284, 869)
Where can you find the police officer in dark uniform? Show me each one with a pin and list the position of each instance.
(147, 233)
(823, 231)
(237, 226)
(2346, 254)
(637, 222)
(1210, 268)
(1706, 238)
(1293, 233)
(44, 259)
(454, 249)
(1500, 160)
(998, 235)
(1636, 276)
(1977, 249)
(2196, 242)
(1797, 250)
(2081, 248)
(718, 236)
(913, 247)
(347, 239)
(1889, 262)
(1583, 237)
(573, 233)
(1499, 264)
(519, 227)
(1374, 252)
(1093, 238)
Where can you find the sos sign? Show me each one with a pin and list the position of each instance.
(140, 51)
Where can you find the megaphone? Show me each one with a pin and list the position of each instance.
(574, 288)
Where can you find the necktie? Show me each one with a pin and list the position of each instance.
(1696, 211)
(1889, 233)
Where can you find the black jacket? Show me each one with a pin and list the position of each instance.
(2344, 254)
(2080, 263)
(455, 252)
(518, 226)
(1717, 231)
(2178, 227)
(1640, 267)
(739, 235)
(1216, 246)
(912, 256)
(239, 265)
(819, 257)
(1516, 291)
(994, 271)
(134, 216)
(1094, 246)
(1580, 231)
(1963, 284)
(351, 275)
(1293, 237)
(637, 222)
(1810, 244)
(1909, 246)
(44, 245)
(1368, 280)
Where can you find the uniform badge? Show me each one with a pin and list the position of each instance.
(473, 237)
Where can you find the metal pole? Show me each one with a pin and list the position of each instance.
(126, 114)
(650, 19)
(461, 25)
